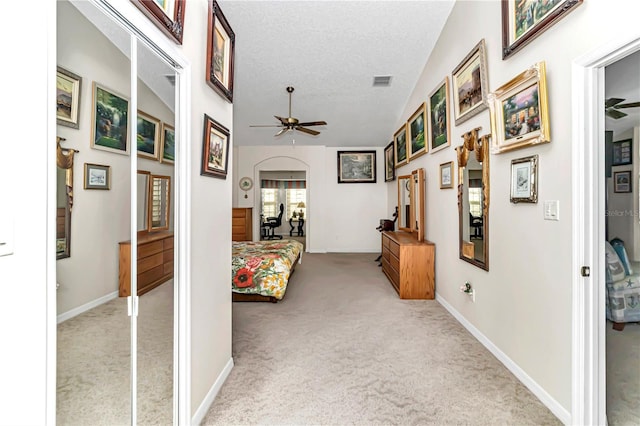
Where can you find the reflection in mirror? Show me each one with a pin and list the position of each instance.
(159, 202)
(473, 198)
(418, 188)
(411, 203)
(404, 203)
(143, 200)
(64, 199)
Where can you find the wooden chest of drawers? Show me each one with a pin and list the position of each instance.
(409, 264)
(155, 262)
(241, 226)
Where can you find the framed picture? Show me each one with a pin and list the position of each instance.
(148, 136)
(416, 127)
(400, 146)
(622, 152)
(446, 175)
(389, 163)
(439, 117)
(524, 20)
(622, 181)
(215, 149)
(109, 118)
(168, 15)
(356, 167)
(68, 86)
(168, 144)
(470, 84)
(97, 176)
(524, 180)
(221, 42)
(519, 111)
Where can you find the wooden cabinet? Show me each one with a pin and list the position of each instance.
(409, 264)
(155, 261)
(241, 225)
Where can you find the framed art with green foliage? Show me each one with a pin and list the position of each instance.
(416, 127)
(148, 136)
(439, 117)
(109, 118)
(168, 144)
(400, 146)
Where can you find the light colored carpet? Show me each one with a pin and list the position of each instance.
(342, 348)
(94, 363)
(623, 375)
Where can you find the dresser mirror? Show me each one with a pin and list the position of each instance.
(64, 200)
(473, 199)
(411, 203)
(159, 203)
(143, 200)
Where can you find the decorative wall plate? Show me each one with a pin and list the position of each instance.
(245, 183)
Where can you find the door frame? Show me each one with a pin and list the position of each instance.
(140, 29)
(588, 402)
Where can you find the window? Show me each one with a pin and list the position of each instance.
(269, 201)
(294, 197)
(475, 197)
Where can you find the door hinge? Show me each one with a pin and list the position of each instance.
(132, 305)
(585, 271)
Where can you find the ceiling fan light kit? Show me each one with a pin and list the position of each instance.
(291, 123)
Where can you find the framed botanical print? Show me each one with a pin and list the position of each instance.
(221, 42)
(389, 163)
(97, 176)
(470, 84)
(524, 180)
(109, 121)
(400, 146)
(446, 175)
(68, 86)
(215, 149)
(519, 111)
(148, 136)
(168, 144)
(417, 126)
(356, 167)
(439, 117)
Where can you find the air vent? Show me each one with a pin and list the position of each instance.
(171, 78)
(381, 80)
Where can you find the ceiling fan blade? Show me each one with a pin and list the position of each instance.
(629, 105)
(612, 101)
(614, 113)
(282, 119)
(313, 123)
(309, 131)
(284, 130)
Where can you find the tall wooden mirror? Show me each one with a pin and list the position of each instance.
(411, 191)
(64, 199)
(473, 199)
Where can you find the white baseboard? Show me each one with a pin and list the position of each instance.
(354, 250)
(87, 306)
(558, 410)
(202, 410)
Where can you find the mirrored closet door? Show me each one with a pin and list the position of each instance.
(113, 367)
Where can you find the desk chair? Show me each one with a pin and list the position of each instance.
(271, 223)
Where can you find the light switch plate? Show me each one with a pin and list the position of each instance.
(552, 210)
(6, 236)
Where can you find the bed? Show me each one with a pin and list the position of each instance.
(261, 269)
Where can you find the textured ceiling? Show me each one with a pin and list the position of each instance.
(622, 80)
(329, 51)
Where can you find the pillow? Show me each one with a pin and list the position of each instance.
(618, 246)
(615, 270)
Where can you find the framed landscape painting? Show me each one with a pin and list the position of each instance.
(215, 149)
(356, 167)
(109, 120)
(168, 15)
(389, 163)
(400, 146)
(68, 87)
(439, 117)
(168, 144)
(148, 136)
(470, 84)
(221, 42)
(416, 127)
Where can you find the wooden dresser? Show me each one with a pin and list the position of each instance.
(409, 264)
(155, 261)
(241, 225)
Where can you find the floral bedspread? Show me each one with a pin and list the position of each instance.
(263, 267)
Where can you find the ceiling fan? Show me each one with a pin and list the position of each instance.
(611, 106)
(292, 123)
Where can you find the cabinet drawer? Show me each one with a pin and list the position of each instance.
(392, 274)
(168, 243)
(385, 242)
(167, 256)
(148, 249)
(386, 254)
(394, 262)
(145, 278)
(239, 213)
(168, 268)
(149, 262)
(394, 248)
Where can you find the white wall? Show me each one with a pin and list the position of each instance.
(523, 304)
(100, 219)
(339, 217)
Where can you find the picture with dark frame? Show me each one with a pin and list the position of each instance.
(215, 149)
(356, 167)
(622, 152)
(221, 42)
(389, 163)
(168, 15)
(622, 181)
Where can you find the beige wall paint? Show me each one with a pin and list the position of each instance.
(523, 304)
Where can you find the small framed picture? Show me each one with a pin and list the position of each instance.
(417, 126)
(148, 140)
(68, 87)
(400, 146)
(389, 163)
(622, 181)
(519, 111)
(168, 144)
(524, 180)
(221, 42)
(97, 176)
(356, 167)
(446, 175)
(439, 117)
(215, 149)
(622, 152)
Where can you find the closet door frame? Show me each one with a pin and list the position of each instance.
(141, 30)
